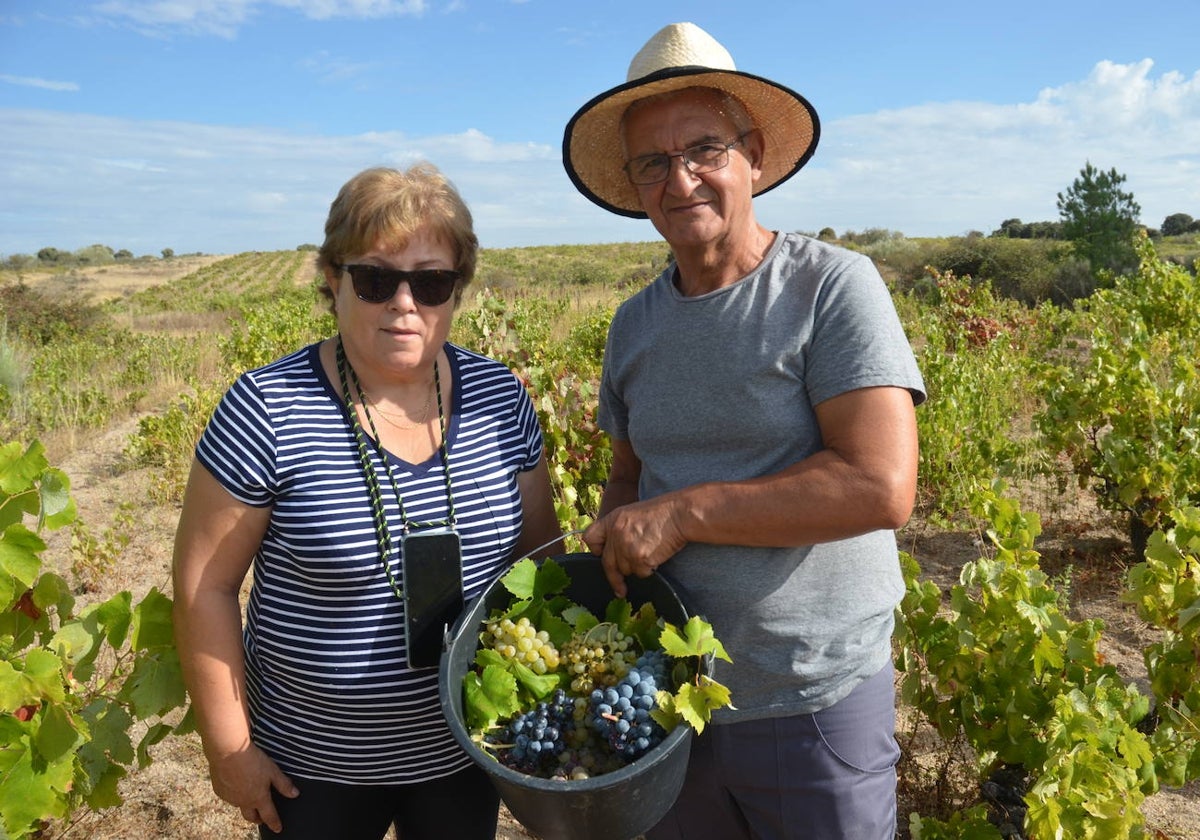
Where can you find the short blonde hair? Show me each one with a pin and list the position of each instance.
(384, 207)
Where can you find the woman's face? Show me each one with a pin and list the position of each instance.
(400, 338)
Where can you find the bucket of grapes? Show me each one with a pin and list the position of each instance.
(579, 705)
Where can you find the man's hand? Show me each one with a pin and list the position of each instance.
(635, 539)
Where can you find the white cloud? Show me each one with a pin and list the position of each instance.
(147, 185)
(951, 167)
(330, 69)
(225, 17)
(938, 169)
(44, 84)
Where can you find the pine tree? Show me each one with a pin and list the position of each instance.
(1100, 220)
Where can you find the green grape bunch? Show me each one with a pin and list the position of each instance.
(520, 641)
(599, 658)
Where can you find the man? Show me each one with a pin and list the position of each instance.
(759, 396)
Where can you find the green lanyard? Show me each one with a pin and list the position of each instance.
(383, 534)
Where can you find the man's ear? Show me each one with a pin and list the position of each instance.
(753, 147)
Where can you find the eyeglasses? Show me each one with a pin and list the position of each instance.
(701, 158)
(429, 286)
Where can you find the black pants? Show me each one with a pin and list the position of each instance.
(464, 806)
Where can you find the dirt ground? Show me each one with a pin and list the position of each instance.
(172, 799)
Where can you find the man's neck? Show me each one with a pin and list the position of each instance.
(713, 265)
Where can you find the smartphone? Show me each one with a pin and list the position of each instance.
(433, 592)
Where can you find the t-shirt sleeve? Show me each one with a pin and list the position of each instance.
(858, 340)
(239, 445)
(529, 429)
(611, 413)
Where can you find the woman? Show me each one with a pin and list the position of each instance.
(320, 470)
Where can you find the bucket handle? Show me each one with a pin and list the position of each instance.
(451, 633)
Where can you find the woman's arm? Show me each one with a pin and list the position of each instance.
(214, 546)
(537, 510)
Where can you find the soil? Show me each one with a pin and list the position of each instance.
(172, 799)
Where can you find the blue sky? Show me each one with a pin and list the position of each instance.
(224, 126)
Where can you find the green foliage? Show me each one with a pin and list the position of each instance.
(1100, 219)
(264, 334)
(1165, 588)
(997, 661)
(1023, 270)
(40, 320)
(235, 284)
(1016, 229)
(1123, 413)
(1002, 664)
(1177, 224)
(93, 557)
(72, 684)
(562, 378)
(969, 824)
(516, 270)
(975, 353)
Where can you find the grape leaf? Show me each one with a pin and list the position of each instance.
(156, 684)
(539, 685)
(527, 581)
(697, 640)
(18, 470)
(581, 618)
(619, 611)
(644, 626)
(19, 550)
(152, 624)
(116, 616)
(43, 675)
(58, 734)
(153, 735)
(54, 492)
(519, 580)
(33, 794)
(104, 793)
(489, 696)
(695, 703)
(550, 580)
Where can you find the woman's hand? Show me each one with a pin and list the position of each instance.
(244, 778)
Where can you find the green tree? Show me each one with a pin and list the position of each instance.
(1176, 223)
(1099, 219)
(94, 255)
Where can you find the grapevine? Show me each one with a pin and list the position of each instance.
(559, 693)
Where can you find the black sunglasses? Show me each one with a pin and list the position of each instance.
(429, 286)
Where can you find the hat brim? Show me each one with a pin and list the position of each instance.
(593, 154)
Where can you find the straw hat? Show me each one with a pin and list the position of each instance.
(683, 55)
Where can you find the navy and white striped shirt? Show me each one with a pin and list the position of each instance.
(331, 695)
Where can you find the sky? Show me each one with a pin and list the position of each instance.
(224, 126)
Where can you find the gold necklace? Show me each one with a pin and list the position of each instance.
(387, 415)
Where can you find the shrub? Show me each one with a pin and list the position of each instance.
(1022, 269)
(39, 319)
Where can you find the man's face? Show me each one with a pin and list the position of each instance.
(690, 209)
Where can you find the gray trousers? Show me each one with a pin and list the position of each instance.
(825, 776)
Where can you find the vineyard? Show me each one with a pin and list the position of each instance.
(1047, 650)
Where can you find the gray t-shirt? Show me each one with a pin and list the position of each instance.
(722, 387)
